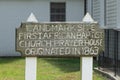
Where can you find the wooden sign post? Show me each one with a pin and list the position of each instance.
(60, 39)
(31, 62)
(86, 68)
(86, 63)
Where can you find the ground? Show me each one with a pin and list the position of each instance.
(47, 69)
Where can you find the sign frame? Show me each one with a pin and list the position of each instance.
(35, 23)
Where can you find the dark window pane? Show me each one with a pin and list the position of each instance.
(57, 11)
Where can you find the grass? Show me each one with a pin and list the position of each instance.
(47, 69)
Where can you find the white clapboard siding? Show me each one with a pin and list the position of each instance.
(118, 14)
(111, 13)
(111, 22)
(96, 10)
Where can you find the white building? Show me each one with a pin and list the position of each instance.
(13, 12)
(107, 13)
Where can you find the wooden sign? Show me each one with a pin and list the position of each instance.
(59, 39)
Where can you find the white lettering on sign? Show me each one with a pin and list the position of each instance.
(59, 39)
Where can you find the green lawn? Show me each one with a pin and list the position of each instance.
(47, 69)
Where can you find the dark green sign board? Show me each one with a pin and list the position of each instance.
(59, 39)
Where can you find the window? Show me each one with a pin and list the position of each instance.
(57, 11)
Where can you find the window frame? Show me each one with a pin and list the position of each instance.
(57, 11)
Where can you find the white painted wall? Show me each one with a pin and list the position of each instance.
(96, 10)
(111, 13)
(118, 13)
(89, 6)
(75, 10)
(12, 13)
